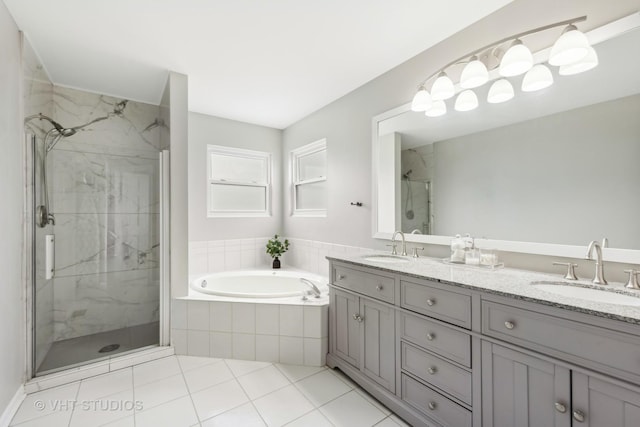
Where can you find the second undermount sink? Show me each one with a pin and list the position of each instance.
(587, 294)
(391, 259)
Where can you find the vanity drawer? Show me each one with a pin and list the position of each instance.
(438, 303)
(373, 285)
(588, 345)
(437, 372)
(440, 339)
(433, 404)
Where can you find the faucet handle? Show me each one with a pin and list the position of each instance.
(571, 270)
(393, 249)
(633, 279)
(415, 251)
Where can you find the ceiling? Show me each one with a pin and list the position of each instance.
(264, 62)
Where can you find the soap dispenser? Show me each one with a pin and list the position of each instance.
(458, 249)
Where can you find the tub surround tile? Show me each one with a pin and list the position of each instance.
(198, 315)
(244, 346)
(220, 316)
(268, 348)
(267, 319)
(179, 314)
(198, 343)
(221, 344)
(292, 350)
(179, 340)
(291, 320)
(243, 318)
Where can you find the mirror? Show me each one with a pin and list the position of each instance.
(545, 172)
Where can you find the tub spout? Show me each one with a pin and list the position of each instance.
(314, 289)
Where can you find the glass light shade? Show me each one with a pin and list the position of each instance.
(466, 101)
(587, 63)
(517, 60)
(571, 47)
(474, 74)
(500, 91)
(537, 78)
(421, 100)
(442, 88)
(438, 108)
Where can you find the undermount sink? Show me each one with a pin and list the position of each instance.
(391, 259)
(587, 294)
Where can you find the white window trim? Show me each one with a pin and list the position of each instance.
(295, 155)
(250, 154)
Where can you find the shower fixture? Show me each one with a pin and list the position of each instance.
(52, 137)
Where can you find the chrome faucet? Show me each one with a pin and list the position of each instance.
(404, 243)
(314, 289)
(598, 279)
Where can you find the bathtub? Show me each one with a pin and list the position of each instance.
(260, 284)
(253, 315)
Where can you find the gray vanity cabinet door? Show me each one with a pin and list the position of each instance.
(519, 390)
(378, 342)
(603, 404)
(347, 328)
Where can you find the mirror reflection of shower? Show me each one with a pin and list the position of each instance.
(43, 212)
(416, 189)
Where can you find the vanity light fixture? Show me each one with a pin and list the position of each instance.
(537, 78)
(421, 100)
(571, 52)
(500, 91)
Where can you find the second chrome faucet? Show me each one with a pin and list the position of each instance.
(598, 279)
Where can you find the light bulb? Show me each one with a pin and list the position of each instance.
(421, 100)
(474, 74)
(442, 88)
(571, 47)
(517, 60)
(537, 78)
(466, 101)
(587, 63)
(500, 91)
(438, 108)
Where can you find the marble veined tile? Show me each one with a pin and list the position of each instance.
(99, 243)
(101, 302)
(83, 182)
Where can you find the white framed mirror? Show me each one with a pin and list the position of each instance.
(544, 173)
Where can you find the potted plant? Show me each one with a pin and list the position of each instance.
(276, 248)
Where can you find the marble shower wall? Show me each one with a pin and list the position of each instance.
(105, 197)
(37, 98)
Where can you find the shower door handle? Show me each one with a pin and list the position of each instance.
(49, 254)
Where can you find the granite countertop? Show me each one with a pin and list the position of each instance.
(506, 282)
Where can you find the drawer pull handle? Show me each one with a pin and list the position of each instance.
(432, 370)
(509, 325)
(431, 337)
(578, 416)
(432, 406)
(431, 302)
(379, 288)
(561, 407)
(341, 276)
(358, 318)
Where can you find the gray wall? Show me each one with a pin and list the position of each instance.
(204, 130)
(12, 320)
(346, 123)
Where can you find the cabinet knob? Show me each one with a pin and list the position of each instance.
(509, 325)
(432, 405)
(431, 302)
(561, 407)
(341, 276)
(379, 288)
(430, 336)
(357, 318)
(578, 416)
(432, 370)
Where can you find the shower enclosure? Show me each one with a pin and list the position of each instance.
(95, 207)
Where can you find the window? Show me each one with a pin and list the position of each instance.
(309, 179)
(239, 182)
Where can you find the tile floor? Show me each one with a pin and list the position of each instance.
(197, 391)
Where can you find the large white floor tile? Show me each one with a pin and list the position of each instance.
(258, 383)
(298, 372)
(282, 406)
(47, 402)
(104, 410)
(156, 370)
(107, 384)
(177, 413)
(220, 398)
(207, 376)
(398, 420)
(188, 363)
(242, 416)
(352, 410)
(242, 367)
(373, 401)
(57, 419)
(123, 422)
(387, 422)
(158, 392)
(312, 419)
(322, 387)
